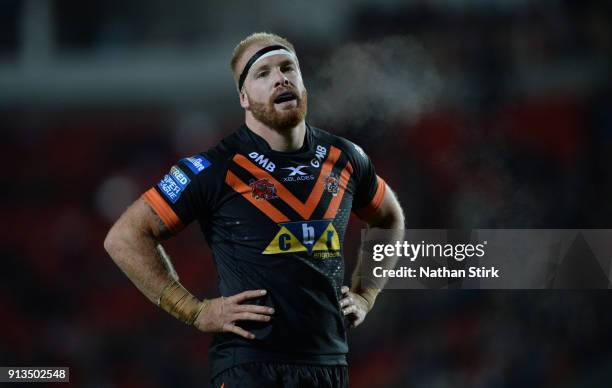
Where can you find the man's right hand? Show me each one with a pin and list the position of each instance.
(221, 314)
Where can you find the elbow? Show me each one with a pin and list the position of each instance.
(396, 217)
(399, 219)
(111, 241)
(395, 221)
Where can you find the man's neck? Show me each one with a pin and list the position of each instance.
(285, 141)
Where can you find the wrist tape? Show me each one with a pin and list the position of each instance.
(180, 303)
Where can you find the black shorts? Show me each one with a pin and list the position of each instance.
(279, 375)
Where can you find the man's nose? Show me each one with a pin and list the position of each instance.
(281, 79)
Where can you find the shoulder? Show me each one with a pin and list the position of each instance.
(212, 161)
(353, 151)
(226, 148)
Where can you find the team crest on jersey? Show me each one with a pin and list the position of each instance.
(331, 184)
(317, 237)
(262, 189)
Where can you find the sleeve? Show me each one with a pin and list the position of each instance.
(185, 193)
(369, 187)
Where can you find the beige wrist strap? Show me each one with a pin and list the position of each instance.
(180, 303)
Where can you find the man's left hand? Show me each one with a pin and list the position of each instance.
(354, 306)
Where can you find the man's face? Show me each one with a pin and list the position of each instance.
(273, 90)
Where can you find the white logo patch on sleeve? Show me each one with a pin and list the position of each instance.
(359, 150)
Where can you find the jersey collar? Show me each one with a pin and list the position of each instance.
(262, 145)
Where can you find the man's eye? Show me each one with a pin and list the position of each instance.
(262, 74)
(287, 68)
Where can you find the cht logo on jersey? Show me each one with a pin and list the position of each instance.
(320, 153)
(318, 238)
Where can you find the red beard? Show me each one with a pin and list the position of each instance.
(280, 120)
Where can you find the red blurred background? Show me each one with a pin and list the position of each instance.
(512, 128)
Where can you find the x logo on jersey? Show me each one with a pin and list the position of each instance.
(296, 170)
(304, 209)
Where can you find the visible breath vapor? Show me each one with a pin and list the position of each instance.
(383, 81)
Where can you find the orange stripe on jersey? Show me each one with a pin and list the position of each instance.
(245, 190)
(163, 210)
(345, 176)
(317, 192)
(281, 190)
(369, 210)
(304, 209)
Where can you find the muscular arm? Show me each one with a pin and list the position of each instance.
(360, 298)
(134, 244)
(388, 216)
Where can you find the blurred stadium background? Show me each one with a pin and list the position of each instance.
(478, 113)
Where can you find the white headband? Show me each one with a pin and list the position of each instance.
(276, 52)
(263, 53)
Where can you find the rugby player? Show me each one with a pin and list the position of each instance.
(273, 200)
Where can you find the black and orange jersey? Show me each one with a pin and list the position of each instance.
(275, 221)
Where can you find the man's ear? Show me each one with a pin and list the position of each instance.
(244, 100)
